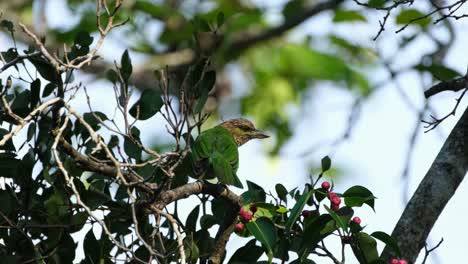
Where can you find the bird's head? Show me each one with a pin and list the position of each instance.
(242, 130)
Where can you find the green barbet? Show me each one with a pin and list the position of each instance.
(215, 151)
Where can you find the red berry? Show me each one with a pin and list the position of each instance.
(326, 185)
(334, 207)
(357, 220)
(394, 261)
(253, 208)
(245, 215)
(331, 195)
(336, 200)
(306, 213)
(239, 227)
(402, 261)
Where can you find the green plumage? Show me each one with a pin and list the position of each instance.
(215, 150)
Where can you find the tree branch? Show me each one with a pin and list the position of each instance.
(289, 23)
(433, 193)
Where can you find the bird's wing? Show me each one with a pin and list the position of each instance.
(219, 147)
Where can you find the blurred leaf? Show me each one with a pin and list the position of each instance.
(8, 25)
(412, 16)
(348, 16)
(220, 19)
(439, 72)
(292, 8)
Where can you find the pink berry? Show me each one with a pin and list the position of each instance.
(394, 261)
(239, 227)
(357, 220)
(336, 200)
(331, 195)
(402, 261)
(306, 213)
(245, 215)
(326, 185)
(253, 208)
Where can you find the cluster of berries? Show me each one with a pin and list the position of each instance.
(245, 216)
(335, 202)
(396, 261)
(334, 199)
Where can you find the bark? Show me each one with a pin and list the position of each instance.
(433, 193)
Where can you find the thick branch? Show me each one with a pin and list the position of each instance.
(452, 85)
(89, 164)
(289, 23)
(433, 193)
(184, 191)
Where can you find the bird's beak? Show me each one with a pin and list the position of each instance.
(258, 134)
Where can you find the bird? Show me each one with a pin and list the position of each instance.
(215, 151)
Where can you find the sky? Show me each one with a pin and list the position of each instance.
(375, 154)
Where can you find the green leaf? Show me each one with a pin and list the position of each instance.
(255, 193)
(91, 248)
(148, 105)
(220, 19)
(45, 69)
(326, 163)
(368, 247)
(191, 250)
(48, 89)
(132, 149)
(83, 39)
(8, 25)
(35, 91)
(207, 221)
(358, 195)
(319, 228)
(297, 209)
(201, 24)
(377, 3)
(126, 65)
(341, 223)
(348, 16)
(439, 72)
(31, 131)
(411, 16)
(250, 253)
(264, 231)
(388, 240)
(191, 222)
(281, 191)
